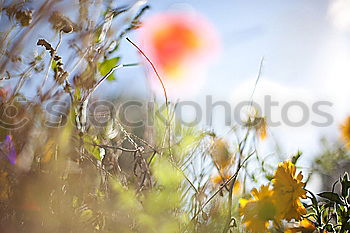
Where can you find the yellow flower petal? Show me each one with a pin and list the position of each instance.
(288, 189)
(258, 211)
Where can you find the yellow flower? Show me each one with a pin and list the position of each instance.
(345, 131)
(261, 127)
(218, 180)
(220, 153)
(305, 226)
(258, 123)
(259, 210)
(288, 189)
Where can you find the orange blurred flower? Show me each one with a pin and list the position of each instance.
(345, 131)
(220, 153)
(219, 180)
(177, 42)
(257, 122)
(49, 150)
(261, 128)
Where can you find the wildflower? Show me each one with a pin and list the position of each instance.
(259, 210)
(178, 43)
(49, 150)
(256, 122)
(262, 128)
(220, 180)
(345, 131)
(220, 153)
(7, 149)
(288, 189)
(304, 226)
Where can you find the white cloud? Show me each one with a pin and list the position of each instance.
(339, 13)
(306, 137)
(277, 92)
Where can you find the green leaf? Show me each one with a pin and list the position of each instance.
(269, 176)
(314, 200)
(54, 65)
(106, 66)
(328, 205)
(347, 226)
(329, 228)
(345, 185)
(91, 148)
(332, 197)
(296, 157)
(86, 215)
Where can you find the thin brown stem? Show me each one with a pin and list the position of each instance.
(154, 69)
(231, 179)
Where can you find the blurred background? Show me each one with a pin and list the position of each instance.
(304, 46)
(206, 58)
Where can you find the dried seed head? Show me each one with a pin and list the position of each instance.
(60, 22)
(24, 17)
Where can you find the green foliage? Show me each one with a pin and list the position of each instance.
(91, 146)
(345, 186)
(333, 214)
(106, 66)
